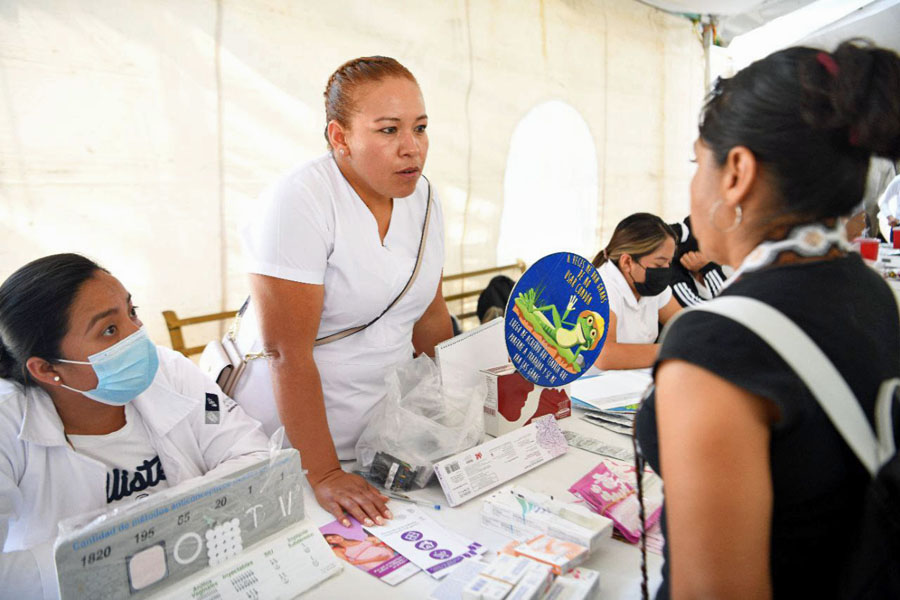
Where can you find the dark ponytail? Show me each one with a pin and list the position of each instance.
(813, 120)
(34, 310)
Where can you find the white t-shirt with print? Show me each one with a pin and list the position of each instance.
(637, 320)
(312, 227)
(133, 469)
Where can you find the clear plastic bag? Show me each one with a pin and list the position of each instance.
(419, 423)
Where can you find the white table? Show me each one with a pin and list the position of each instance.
(617, 562)
(889, 260)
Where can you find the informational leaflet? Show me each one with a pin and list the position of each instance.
(612, 389)
(367, 552)
(488, 465)
(424, 542)
(576, 440)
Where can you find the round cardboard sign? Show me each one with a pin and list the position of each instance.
(556, 319)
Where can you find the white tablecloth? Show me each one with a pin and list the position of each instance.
(617, 562)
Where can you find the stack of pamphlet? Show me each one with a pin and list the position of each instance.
(611, 398)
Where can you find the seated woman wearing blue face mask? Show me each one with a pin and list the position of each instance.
(636, 270)
(92, 413)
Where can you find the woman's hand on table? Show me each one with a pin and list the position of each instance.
(342, 493)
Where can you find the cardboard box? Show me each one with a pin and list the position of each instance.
(512, 401)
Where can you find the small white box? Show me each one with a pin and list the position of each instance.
(580, 584)
(534, 583)
(514, 529)
(509, 569)
(561, 556)
(510, 511)
(497, 579)
(484, 588)
(496, 461)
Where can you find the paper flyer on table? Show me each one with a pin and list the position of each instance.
(424, 542)
(492, 463)
(365, 551)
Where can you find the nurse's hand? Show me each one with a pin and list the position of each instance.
(340, 492)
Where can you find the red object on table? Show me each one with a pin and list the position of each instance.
(896, 237)
(868, 248)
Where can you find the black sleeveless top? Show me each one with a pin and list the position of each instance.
(818, 483)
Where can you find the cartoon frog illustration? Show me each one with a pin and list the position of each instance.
(585, 332)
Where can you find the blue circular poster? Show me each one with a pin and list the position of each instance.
(556, 319)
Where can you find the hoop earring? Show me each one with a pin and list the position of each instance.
(738, 217)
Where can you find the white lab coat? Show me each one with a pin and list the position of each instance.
(43, 480)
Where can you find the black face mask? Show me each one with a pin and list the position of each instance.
(656, 280)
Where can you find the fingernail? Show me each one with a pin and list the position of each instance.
(346, 522)
(389, 514)
(379, 520)
(369, 522)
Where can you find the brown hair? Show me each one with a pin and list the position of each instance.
(637, 235)
(341, 87)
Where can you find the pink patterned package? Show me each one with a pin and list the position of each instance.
(611, 496)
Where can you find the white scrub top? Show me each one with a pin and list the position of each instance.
(312, 227)
(889, 201)
(637, 320)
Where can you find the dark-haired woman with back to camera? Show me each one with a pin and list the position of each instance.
(636, 267)
(93, 414)
(762, 494)
(332, 246)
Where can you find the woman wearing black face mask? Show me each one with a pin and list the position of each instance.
(636, 267)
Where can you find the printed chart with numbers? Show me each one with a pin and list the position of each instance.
(145, 547)
(280, 567)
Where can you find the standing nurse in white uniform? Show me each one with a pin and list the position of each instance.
(333, 243)
(636, 269)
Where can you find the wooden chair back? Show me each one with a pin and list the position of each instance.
(174, 324)
(469, 284)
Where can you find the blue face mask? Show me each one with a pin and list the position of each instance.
(123, 370)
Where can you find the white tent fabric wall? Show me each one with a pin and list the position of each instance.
(550, 186)
(139, 133)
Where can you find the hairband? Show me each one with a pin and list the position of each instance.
(827, 61)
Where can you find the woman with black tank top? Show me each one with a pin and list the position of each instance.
(762, 495)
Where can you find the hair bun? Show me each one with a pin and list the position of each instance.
(856, 93)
